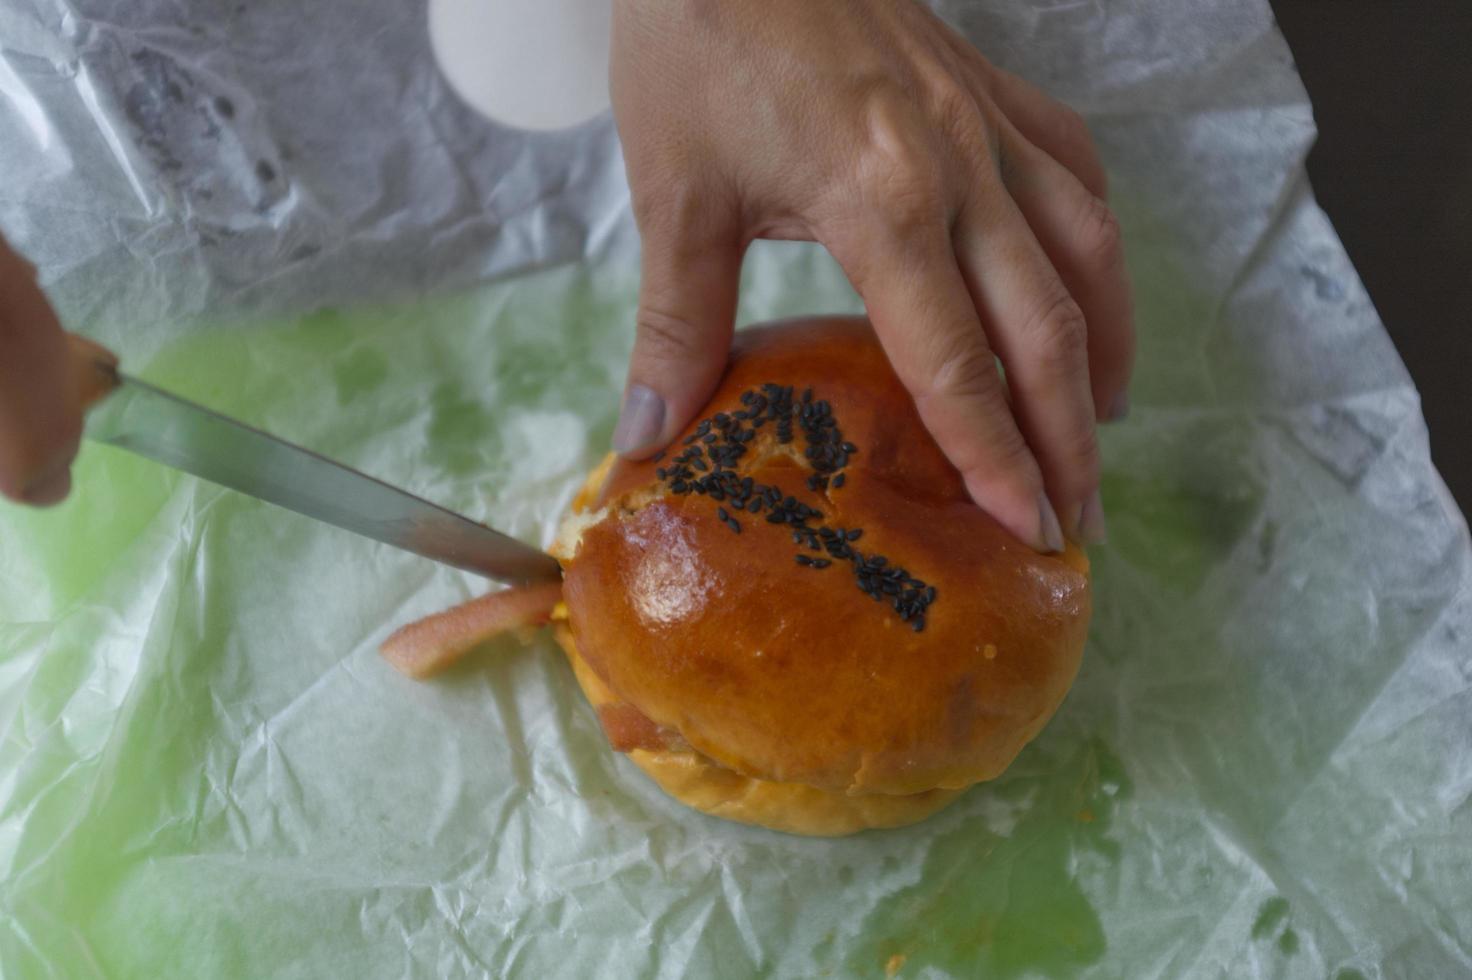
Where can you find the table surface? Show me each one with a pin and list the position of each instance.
(1391, 86)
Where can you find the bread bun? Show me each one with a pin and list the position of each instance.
(758, 649)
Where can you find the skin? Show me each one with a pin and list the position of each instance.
(966, 207)
(40, 423)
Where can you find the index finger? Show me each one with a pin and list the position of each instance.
(928, 325)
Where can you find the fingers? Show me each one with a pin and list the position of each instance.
(1039, 332)
(926, 320)
(1081, 238)
(1049, 125)
(687, 309)
(40, 424)
(1045, 122)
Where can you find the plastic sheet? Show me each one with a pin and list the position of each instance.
(1264, 769)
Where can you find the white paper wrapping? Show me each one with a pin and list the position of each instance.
(1264, 769)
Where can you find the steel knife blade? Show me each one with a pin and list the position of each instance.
(146, 420)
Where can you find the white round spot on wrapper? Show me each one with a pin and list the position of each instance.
(533, 64)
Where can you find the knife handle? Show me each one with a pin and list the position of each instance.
(94, 370)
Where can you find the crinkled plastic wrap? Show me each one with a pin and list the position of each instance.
(1265, 766)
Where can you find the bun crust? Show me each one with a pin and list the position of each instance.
(778, 673)
(792, 808)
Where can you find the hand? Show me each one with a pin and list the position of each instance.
(964, 205)
(40, 423)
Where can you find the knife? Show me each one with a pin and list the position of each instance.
(133, 415)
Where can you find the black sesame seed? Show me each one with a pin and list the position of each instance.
(850, 448)
(803, 559)
(838, 481)
(721, 513)
(855, 534)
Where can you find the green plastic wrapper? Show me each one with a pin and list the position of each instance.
(1263, 770)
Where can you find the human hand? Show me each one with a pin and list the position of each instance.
(964, 205)
(40, 421)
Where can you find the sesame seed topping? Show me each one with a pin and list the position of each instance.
(708, 466)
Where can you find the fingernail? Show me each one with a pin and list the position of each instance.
(49, 489)
(639, 420)
(1119, 408)
(1091, 527)
(1051, 530)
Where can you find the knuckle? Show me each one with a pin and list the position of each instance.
(666, 206)
(906, 199)
(952, 102)
(1080, 445)
(965, 372)
(689, 211)
(1005, 449)
(967, 379)
(1059, 334)
(664, 336)
(1102, 240)
(898, 177)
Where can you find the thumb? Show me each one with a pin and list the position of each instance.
(687, 310)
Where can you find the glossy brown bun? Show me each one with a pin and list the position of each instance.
(766, 670)
(793, 808)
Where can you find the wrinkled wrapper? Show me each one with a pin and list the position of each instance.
(277, 209)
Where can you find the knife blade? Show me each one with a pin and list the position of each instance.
(163, 427)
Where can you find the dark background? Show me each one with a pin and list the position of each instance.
(1391, 85)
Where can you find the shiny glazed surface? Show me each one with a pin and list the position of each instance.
(788, 673)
